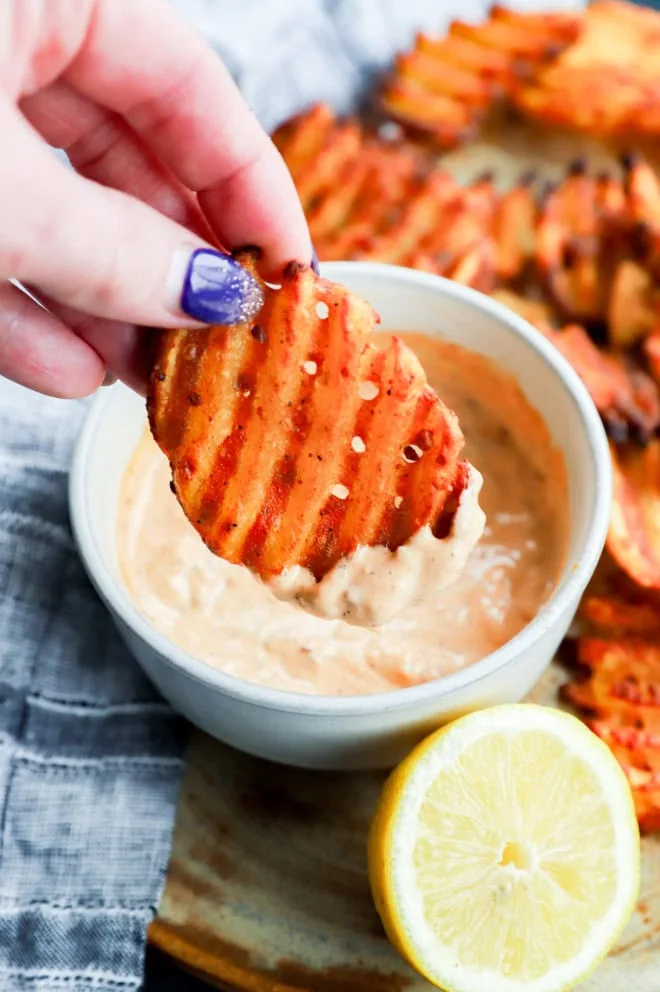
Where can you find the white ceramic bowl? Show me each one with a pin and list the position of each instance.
(375, 730)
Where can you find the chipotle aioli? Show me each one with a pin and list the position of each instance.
(224, 616)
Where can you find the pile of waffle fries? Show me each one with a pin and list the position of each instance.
(579, 259)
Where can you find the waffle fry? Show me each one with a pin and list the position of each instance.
(446, 120)
(514, 229)
(302, 137)
(411, 222)
(476, 268)
(622, 674)
(457, 243)
(524, 38)
(616, 614)
(493, 67)
(612, 202)
(260, 425)
(574, 246)
(627, 400)
(350, 207)
(643, 212)
(634, 305)
(646, 796)
(427, 73)
(618, 691)
(595, 246)
(390, 178)
(637, 750)
(554, 31)
(444, 87)
(612, 65)
(651, 349)
(537, 311)
(634, 535)
(318, 148)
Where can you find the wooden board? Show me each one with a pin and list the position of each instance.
(267, 889)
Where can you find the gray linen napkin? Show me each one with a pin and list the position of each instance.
(90, 757)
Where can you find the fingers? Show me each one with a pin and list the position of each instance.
(122, 347)
(39, 351)
(177, 95)
(102, 147)
(103, 252)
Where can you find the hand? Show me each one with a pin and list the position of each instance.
(169, 160)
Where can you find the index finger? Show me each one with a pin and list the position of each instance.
(175, 92)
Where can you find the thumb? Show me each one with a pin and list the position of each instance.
(104, 252)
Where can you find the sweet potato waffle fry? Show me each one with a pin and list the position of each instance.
(634, 535)
(318, 149)
(626, 398)
(616, 614)
(296, 439)
(617, 684)
(458, 244)
(535, 310)
(633, 306)
(393, 205)
(651, 349)
(608, 81)
(643, 199)
(595, 249)
(617, 690)
(444, 87)
(413, 222)
(575, 241)
(515, 220)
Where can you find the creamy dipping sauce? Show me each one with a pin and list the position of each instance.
(224, 616)
(373, 584)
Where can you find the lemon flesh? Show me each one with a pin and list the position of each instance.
(504, 854)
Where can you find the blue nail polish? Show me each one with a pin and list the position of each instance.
(315, 261)
(217, 290)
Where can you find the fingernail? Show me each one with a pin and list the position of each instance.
(218, 290)
(109, 379)
(315, 261)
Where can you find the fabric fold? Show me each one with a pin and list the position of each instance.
(90, 755)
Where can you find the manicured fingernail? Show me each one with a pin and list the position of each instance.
(315, 261)
(218, 290)
(109, 379)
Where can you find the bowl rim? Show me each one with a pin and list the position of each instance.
(566, 593)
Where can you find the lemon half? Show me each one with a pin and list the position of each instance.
(504, 853)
